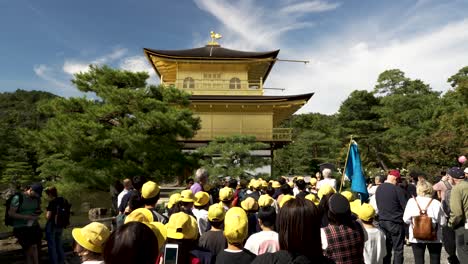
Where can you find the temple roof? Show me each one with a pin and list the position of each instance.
(212, 52)
(250, 98)
(165, 62)
(283, 106)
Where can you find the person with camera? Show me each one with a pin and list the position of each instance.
(24, 211)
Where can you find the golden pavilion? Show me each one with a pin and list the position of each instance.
(226, 88)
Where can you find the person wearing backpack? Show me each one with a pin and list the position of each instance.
(459, 212)
(23, 210)
(426, 218)
(58, 217)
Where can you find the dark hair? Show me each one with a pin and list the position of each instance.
(216, 224)
(282, 180)
(299, 228)
(232, 183)
(174, 209)
(133, 242)
(190, 180)
(151, 201)
(243, 183)
(268, 216)
(286, 189)
(138, 182)
(134, 202)
(301, 184)
(51, 191)
(118, 186)
(323, 208)
(270, 190)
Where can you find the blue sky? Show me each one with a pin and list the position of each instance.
(348, 42)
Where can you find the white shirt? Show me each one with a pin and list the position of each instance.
(374, 248)
(372, 189)
(433, 211)
(263, 242)
(202, 219)
(295, 191)
(329, 181)
(120, 196)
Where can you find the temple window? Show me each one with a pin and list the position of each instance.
(235, 83)
(189, 83)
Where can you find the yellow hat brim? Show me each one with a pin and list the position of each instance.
(148, 216)
(82, 241)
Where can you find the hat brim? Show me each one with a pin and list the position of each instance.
(82, 241)
(145, 212)
(159, 229)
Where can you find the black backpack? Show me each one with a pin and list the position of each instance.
(8, 219)
(62, 213)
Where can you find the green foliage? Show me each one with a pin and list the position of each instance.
(17, 112)
(132, 129)
(232, 156)
(315, 140)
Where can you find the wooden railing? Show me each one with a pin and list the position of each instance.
(277, 134)
(219, 85)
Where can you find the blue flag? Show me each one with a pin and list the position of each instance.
(355, 173)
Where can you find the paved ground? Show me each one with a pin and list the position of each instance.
(409, 258)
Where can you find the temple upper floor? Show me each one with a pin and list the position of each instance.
(213, 70)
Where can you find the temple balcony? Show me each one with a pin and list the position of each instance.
(275, 135)
(219, 87)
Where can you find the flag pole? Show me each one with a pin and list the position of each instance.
(346, 162)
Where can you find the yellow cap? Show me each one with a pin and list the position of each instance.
(324, 190)
(249, 204)
(186, 196)
(256, 184)
(182, 226)
(348, 195)
(265, 200)
(313, 181)
(235, 225)
(225, 194)
(142, 215)
(366, 212)
(251, 183)
(291, 184)
(201, 198)
(264, 184)
(149, 190)
(216, 212)
(355, 206)
(276, 184)
(285, 198)
(300, 178)
(159, 229)
(313, 198)
(173, 200)
(92, 236)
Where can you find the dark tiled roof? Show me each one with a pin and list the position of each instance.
(213, 52)
(250, 98)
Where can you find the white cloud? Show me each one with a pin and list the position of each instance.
(72, 66)
(250, 26)
(308, 7)
(340, 67)
(139, 64)
(47, 74)
(422, 42)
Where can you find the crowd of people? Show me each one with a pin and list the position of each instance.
(298, 220)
